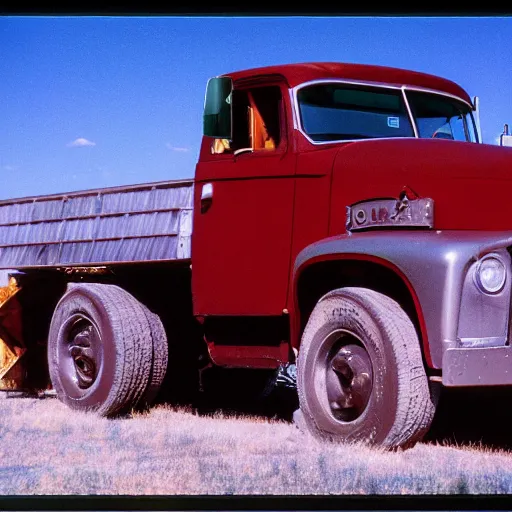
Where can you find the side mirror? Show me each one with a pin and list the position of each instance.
(217, 117)
(476, 110)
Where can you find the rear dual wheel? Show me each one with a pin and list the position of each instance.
(106, 351)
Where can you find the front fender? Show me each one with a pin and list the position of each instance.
(433, 265)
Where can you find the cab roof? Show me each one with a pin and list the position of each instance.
(296, 74)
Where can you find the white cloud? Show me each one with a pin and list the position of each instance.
(10, 168)
(177, 148)
(81, 143)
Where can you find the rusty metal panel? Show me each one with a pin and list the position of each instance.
(115, 225)
(11, 342)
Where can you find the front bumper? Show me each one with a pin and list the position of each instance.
(489, 366)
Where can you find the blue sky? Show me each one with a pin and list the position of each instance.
(90, 102)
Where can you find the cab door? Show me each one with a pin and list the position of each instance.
(243, 210)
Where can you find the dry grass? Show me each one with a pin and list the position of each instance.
(47, 449)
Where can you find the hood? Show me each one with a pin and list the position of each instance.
(471, 184)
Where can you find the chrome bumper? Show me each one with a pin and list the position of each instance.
(489, 366)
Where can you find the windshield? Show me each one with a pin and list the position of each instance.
(343, 112)
(337, 111)
(440, 117)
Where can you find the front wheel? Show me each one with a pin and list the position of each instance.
(360, 374)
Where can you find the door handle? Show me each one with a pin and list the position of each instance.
(206, 197)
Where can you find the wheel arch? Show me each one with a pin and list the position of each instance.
(323, 273)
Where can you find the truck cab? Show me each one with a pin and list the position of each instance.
(287, 149)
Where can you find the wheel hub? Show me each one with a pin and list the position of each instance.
(81, 341)
(349, 382)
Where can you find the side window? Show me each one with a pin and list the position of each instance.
(264, 117)
(257, 115)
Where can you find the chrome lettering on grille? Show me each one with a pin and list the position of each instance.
(390, 212)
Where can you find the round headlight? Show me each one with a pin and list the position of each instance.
(491, 274)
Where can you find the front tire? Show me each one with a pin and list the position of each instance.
(100, 350)
(360, 374)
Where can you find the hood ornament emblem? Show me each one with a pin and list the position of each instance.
(408, 211)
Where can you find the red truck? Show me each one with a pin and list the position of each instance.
(343, 217)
